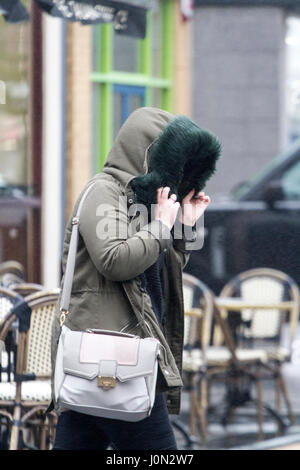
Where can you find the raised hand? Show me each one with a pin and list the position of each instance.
(192, 207)
(166, 207)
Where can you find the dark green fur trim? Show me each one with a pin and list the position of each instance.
(183, 157)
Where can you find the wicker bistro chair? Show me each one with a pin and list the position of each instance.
(198, 308)
(24, 401)
(269, 296)
(237, 368)
(8, 299)
(201, 359)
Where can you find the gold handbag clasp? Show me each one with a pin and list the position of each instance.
(106, 382)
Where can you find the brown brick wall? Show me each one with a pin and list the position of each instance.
(182, 63)
(78, 110)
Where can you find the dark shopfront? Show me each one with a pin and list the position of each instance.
(20, 142)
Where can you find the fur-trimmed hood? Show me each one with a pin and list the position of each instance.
(155, 148)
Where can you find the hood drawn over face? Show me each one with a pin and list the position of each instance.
(155, 148)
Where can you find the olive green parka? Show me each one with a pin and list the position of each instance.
(107, 291)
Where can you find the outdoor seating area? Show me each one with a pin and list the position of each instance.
(234, 344)
(26, 315)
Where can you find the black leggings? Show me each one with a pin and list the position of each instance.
(76, 431)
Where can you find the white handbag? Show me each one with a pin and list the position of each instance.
(101, 372)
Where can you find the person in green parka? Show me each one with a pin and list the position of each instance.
(132, 281)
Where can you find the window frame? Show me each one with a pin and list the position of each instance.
(105, 77)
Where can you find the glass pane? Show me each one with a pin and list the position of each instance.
(291, 182)
(14, 115)
(125, 53)
(126, 100)
(156, 96)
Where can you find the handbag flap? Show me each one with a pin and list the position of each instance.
(84, 353)
(96, 347)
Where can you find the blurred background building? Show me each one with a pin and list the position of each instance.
(242, 73)
(232, 66)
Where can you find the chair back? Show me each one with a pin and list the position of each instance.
(198, 308)
(38, 339)
(267, 286)
(34, 345)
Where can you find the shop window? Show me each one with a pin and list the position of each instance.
(20, 142)
(14, 114)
